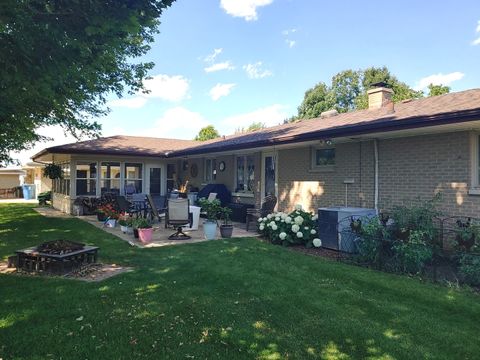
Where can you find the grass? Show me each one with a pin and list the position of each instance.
(232, 299)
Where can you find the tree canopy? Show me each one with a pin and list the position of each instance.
(252, 127)
(60, 59)
(348, 92)
(435, 90)
(207, 133)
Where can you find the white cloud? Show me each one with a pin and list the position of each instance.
(131, 103)
(269, 115)
(211, 58)
(289, 31)
(290, 43)
(57, 135)
(438, 79)
(165, 87)
(246, 9)
(226, 65)
(176, 123)
(220, 90)
(477, 40)
(255, 71)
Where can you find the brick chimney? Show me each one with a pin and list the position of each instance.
(380, 96)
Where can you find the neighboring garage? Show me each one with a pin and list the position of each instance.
(9, 181)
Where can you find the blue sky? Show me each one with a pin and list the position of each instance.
(232, 62)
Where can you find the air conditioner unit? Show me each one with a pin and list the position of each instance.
(334, 226)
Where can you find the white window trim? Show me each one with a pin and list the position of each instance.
(474, 164)
(313, 154)
(74, 186)
(244, 193)
(212, 174)
(125, 179)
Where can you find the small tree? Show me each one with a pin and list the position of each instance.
(207, 133)
(435, 90)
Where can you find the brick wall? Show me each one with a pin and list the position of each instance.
(409, 168)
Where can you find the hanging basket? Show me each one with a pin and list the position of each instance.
(53, 171)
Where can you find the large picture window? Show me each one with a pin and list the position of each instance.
(210, 169)
(86, 178)
(133, 178)
(110, 177)
(245, 174)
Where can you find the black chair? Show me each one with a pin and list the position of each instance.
(125, 206)
(155, 207)
(178, 214)
(267, 207)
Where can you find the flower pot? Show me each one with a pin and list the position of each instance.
(129, 230)
(110, 223)
(124, 228)
(210, 230)
(135, 233)
(101, 217)
(145, 235)
(226, 231)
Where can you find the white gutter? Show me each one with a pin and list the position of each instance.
(375, 149)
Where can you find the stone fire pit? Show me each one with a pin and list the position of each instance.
(58, 257)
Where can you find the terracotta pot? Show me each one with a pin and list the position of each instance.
(145, 235)
(101, 217)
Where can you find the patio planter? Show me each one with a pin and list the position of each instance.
(226, 231)
(129, 230)
(145, 235)
(210, 229)
(101, 216)
(135, 233)
(124, 229)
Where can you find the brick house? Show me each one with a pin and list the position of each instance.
(379, 157)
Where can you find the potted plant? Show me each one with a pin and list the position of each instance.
(122, 221)
(110, 215)
(53, 171)
(211, 210)
(101, 215)
(135, 228)
(226, 229)
(145, 230)
(129, 221)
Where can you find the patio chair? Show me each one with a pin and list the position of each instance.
(178, 215)
(155, 209)
(125, 206)
(212, 196)
(267, 207)
(130, 189)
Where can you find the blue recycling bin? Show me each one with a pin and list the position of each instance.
(28, 191)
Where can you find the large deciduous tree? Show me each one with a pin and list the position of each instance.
(349, 92)
(207, 133)
(60, 59)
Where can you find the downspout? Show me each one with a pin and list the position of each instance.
(375, 149)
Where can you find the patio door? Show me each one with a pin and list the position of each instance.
(269, 174)
(155, 182)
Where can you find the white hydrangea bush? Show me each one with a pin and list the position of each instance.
(297, 227)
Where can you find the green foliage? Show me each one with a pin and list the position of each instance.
(297, 227)
(43, 197)
(207, 133)
(404, 243)
(349, 92)
(61, 59)
(435, 90)
(470, 268)
(141, 223)
(212, 208)
(53, 171)
(252, 127)
(225, 213)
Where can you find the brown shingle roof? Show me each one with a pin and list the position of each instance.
(429, 111)
(123, 145)
(449, 108)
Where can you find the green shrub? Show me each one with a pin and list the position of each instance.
(470, 268)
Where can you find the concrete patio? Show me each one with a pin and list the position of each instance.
(160, 234)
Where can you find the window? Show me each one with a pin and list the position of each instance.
(245, 174)
(62, 186)
(171, 177)
(133, 178)
(323, 158)
(86, 178)
(110, 177)
(475, 164)
(210, 169)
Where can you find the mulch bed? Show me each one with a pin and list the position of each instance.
(90, 272)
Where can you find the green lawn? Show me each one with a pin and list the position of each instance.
(222, 300)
